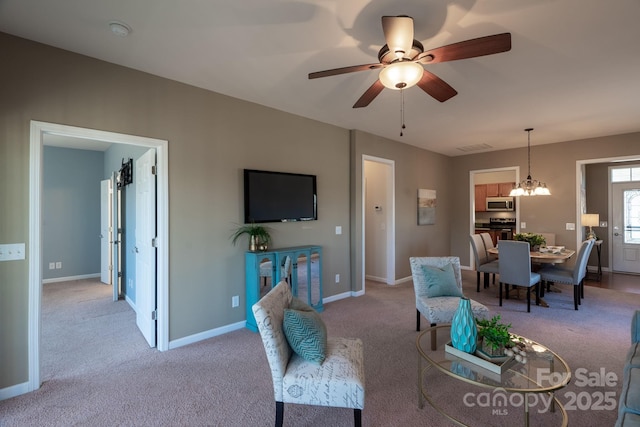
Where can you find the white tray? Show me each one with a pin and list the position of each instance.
(496, 367)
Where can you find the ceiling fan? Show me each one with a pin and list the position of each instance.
(401, 60)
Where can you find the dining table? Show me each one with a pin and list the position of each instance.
(547, 256)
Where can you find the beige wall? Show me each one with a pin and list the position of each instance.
(211, 139)
(414, 169)
(553, 163)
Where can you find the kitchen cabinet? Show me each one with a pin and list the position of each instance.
(499, 189)
(480, 198)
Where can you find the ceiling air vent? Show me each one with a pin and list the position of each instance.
(476, 147)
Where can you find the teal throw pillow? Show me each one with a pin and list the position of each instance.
(440, 282)
(306, 334)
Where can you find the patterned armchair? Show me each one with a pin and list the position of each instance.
(338, 381)
(439, 309)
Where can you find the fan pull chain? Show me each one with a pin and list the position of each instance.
(402, 126)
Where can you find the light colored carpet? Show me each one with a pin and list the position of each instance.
(99, 371)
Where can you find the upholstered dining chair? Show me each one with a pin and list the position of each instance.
(307, 367)
(483, 263)
(437, 283)
(488, 244)
(574, 276)
(515, 269)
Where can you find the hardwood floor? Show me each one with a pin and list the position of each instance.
(619, 282)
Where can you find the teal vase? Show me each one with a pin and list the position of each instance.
(464, 333)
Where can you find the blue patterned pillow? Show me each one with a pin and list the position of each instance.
(440, 282)
(306, 334)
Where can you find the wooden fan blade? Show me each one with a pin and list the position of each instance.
(481, 46)
(398, 33)
(436, 87)
(344, 70)
(369, 95)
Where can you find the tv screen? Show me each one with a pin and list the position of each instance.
(279, 197)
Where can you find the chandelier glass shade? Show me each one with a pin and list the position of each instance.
(401, 75)
(530, 186)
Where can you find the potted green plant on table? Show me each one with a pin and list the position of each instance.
(494, 336)
(259, 236)
(535, 240)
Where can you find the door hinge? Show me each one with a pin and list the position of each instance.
(154, 315)
(153, 170)
(154, 242)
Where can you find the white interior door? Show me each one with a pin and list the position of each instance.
(625, 239)
(144, 175)
(115, 237)
(105, 231)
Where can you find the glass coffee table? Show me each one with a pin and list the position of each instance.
(530, 385)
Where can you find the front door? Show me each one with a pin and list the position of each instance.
(145, 233)
(625, 237)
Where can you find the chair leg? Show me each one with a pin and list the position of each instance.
(576, 296)
(434, 338)
(417, 320)
(506, 291)
(582, 290)
(477, 281)
(542, 283)
(528, 300)
(357, 417)
(500, 292)
(538, 293)
(486, 280)
(279, 413)
(494, 278)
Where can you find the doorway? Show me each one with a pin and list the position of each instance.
(378, 220)
(581, 197)
(38, 132)
(625, 227)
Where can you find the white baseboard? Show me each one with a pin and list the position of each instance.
(338, 297)
(14, 390)
(70, 278)
(206, 335)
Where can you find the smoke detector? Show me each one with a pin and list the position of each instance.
(119, 28)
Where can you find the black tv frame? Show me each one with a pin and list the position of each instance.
(276, 197)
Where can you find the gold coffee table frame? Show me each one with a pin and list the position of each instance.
(511, 380)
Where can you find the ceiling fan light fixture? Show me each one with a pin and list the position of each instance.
(401, 75)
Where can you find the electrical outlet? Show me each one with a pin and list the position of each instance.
(58, 265)
(52, 266)
(523, 225)
(338, 229)
(337, 278)
(571, 226)
(603, 223)
(235, 301)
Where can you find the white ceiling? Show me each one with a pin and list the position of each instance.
(573, 71)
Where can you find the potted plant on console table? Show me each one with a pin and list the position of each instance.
(535, 240)
(259, 236)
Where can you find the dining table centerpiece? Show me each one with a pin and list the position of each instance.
(535, 240)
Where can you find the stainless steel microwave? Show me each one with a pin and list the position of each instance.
(500, 204)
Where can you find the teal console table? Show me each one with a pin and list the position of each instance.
(308, 258)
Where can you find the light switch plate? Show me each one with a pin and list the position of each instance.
(12, 251)
(603, 224)
(571, 226)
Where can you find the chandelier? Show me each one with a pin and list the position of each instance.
(529, 186)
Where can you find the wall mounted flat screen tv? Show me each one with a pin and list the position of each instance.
(279, 197)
